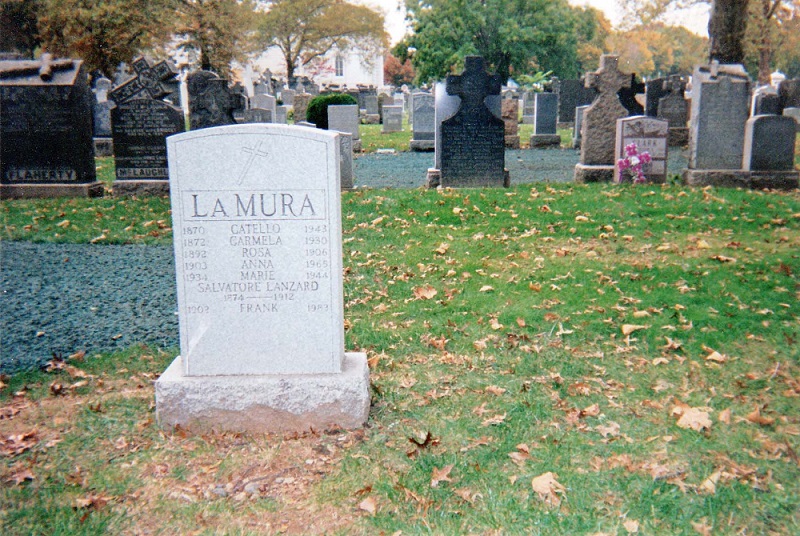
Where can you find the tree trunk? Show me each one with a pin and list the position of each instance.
(726, 29)
(289, 69)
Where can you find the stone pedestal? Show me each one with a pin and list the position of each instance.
(42, 191)
(730, 178)
(422, 145)
(103, 147)
(131, 188)
(434, 178)
(268, 403)
(511, 142)
(593, 173)
(545, 140)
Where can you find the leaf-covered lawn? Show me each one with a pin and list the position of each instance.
(571, 359)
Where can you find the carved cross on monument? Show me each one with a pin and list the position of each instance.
(253, 152)
(473, 85)
(608, 80)
(147, 81)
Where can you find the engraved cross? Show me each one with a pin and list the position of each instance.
(253, 152)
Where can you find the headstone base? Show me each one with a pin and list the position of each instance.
(104, 146)
(371, 119)
(356, 146)
(562, 124)
(434, 180)
(678, 137)
(270, 403)
(148, 188)
(422, 145)
(45, 191)
(589, 173)
(545, 140)
(512, 142)
(732, 178)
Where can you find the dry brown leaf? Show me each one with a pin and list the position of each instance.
(521, 322)
(692, 418)
(627, 329)
(369, 505)
(425, 292)
(486, 288)
(548, 489)
(440, 475)
(442, 249)
(723, 258)
(709, 485)
(702, 244)
(591, 411)
(756, 418)
(610, 429)
(495, 324)
(491, 421)
(20, 476)
(631, 525)
(716, 357)
(701, 528)
(495, 390)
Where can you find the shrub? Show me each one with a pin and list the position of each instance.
(317, 111)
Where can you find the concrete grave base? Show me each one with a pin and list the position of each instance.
(733, 178)
(104, 146)
(586, 173)
(545, 140)
(434, 180)
(370, 119)
(422, 145)
(356, 146)
(511, 142)
(270, 403)
(43, 191)
(131, 187)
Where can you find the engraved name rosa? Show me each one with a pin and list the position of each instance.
(254, 205)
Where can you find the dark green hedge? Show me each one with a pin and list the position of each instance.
(317, 111)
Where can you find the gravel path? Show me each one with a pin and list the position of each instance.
(58, 299)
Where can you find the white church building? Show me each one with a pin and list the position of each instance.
(351, 67)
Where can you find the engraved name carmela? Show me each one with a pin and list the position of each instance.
(276, 205)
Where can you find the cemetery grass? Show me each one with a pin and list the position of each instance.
(565, 359)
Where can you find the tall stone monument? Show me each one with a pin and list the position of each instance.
(598, 132)
(258, 256)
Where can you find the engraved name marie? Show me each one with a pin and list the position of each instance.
(236, 205)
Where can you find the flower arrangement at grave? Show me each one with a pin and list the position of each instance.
(633, 163)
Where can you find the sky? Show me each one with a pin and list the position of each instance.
(695, 19)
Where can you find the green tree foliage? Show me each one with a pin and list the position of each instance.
(305, 30)
(769, 26)
(18, 24)
(593, 30)
(104, 33)
(513, 36)
(220, 31)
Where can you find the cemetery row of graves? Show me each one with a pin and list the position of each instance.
(591, 357)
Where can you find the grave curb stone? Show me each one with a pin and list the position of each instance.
(732, 178)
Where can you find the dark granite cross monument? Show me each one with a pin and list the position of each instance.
(598, 132)
(146, 84)
(473, 152)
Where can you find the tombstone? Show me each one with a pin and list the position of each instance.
(510, 116)
(373, 115)
(571, 94)
(769, 143)
(287, 96)
(545, 120)
(472, 152)
(257, 115)
(344, 118)
(301, 101)
(794, 113)
(576, 131)
(650, 135)
(765, 101)
(445, 107)
(789, 93)
(346, 160)
(264, 102)
(628, 96)
(140, 130)
(674, 109)
(282, 113)
(528, 107)
(103, 145)
(720, 96)
(598, 132)
(210, 101)
(655, 90)
(46, 130)
(147, 82)
(258, 255)
(392, 119)
(424, 126)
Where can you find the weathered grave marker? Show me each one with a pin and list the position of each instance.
(210, 101)
(424, 127)
(544, 121)
(344, 118)
(46, 130)
(510, 115)
(392, 119)
(673, 108)
(650, 135)
(257, 223)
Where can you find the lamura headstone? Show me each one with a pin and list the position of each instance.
(545, 121)
(650, 135)
(598, 132)
(424, 127)
(46, 146)
(472, 149)
(258, 256)
(210, 101)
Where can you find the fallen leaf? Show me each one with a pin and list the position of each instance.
(610, 429)
(716, 357)
(440, 475)
(495, 390)
(709, 485)
(756, 418)
(521, 322)
(702, 244)
(442, 249)
(692, 418)
(486, 288)
(495, 324)
(631, 525)
(497, 419)
(23, 475)
(725, 416)
(369, 505)
(701, 528)
(723, 258)
(425, 292)
(548, 489)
